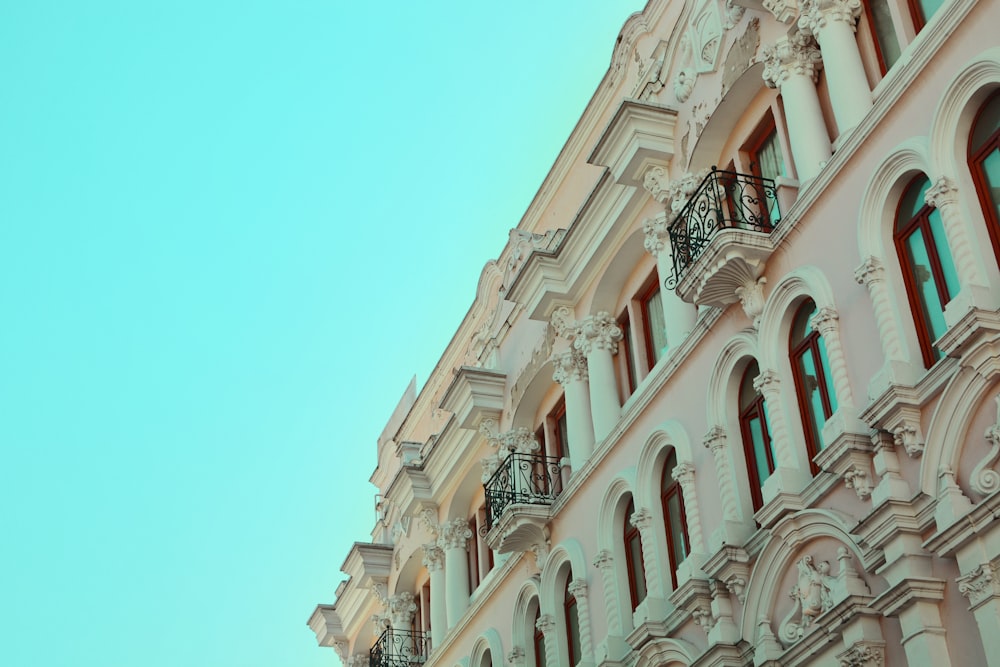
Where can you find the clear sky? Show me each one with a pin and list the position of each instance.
(230, 233)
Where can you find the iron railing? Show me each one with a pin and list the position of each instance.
(522, 478)
(399, 648)
(724, 199)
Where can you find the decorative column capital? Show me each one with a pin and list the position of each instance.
(642, 519)
(856, 477)
(578, 588)
(824, 321)
(657, 233)
(815, 15)
(570, 366)
(684, 187)
(767, 382)
(715, 438)
(604, 560)
(546, 623)
(516, 656)
(979, 585)
(433, 557)
(454, 534)
(401, 609)
(871, 271)
(683, 473)
(944, 191)
(519, 439)
(564, 323)
(598, 332)
(657, 183)
(788, 57)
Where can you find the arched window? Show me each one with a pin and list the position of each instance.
(813, 381)
(674, 520)
(756, 434)
(984, 162)
(538, 638)
(572, 615)
(928, 269)
(633, 558)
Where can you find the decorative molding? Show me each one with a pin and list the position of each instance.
(797, 55)
(908, 436)
(984, 478)
(598, 332)
(815, 15)
(865, 653)
(980, 585)
(433, 557)
(454, 534)
(751, 296)
(570, 366)
(857, 477)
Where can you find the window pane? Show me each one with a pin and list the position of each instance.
(812, 400)
(635, 554)
(827, 375)
(929, 7)
(885, 32)
(923, 279)
(991, 171)
(944, 253)
(573, 630)
(759, 451)
(676, 527)
(657, 326)
(769, 157)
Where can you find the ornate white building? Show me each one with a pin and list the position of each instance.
(729, 395)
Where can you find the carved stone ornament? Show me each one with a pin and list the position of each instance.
(943, 192)
(815, 15)
(454, 534)
(657, 233)
(541, 551)
(359, 660)
(433, 557)
(980, 584)
(516, 656)
(490, 465)
(703, 617)
(428, 517)
(908, 436)
(985, 479)
(684, 84)
(684, 187)
(570, 366)
(816, 591)
(401, 609)
(870, 271)
(796, 55)
(564, 323)
(737, 585)
(598, 332)
(863, 654)
(604, 560)
(856, 477)
(751, 297)
(657, 182)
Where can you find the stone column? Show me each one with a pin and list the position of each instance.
(684, 475)
(453, 539)
(788, 476)
(679, 316)
(578, 589)
(833, 23)
(791, 65)
(825, 323)
(943, 195)
(571, 373)
(598, 339)
(401, 608)
(642, 519)
(434, 562)
(547, 624)
(605, 563)
(982, 587)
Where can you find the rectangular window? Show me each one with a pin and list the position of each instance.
(654, 324)
(625, 359)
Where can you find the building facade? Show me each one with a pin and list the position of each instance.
(730, 395)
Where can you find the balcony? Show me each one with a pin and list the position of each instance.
(721, 238)
(518, 496)
(399, 648)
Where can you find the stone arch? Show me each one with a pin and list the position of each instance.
(522, 625)
(666, 652)
(950, 424)
(608, 294)
(669, 435)
(534, 392)
(610, 535)
(721, 407)
(880, 268)
(775, 319)
(487, 644)
(725, 118)
(949, 142)
(564, 564)
(788, 537)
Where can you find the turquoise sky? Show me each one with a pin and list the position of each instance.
(230, 233)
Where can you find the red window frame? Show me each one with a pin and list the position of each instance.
(636, 571)
(754, 409)
(978, 155)
(625, 358)
(920, 223)
(538, 639)
(670, 490)
(571, 613)
(651, 289)
(809, 345)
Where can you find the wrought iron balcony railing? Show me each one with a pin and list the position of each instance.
(399, 648)
(723, 200)
(522, 478)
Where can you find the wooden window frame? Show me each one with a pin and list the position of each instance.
(809, 345)
(570, 605)
(919, 223)
(977, 155)
(631, 534)
(625, 365)
(671, 488)
(755, 409)
(650, 288)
